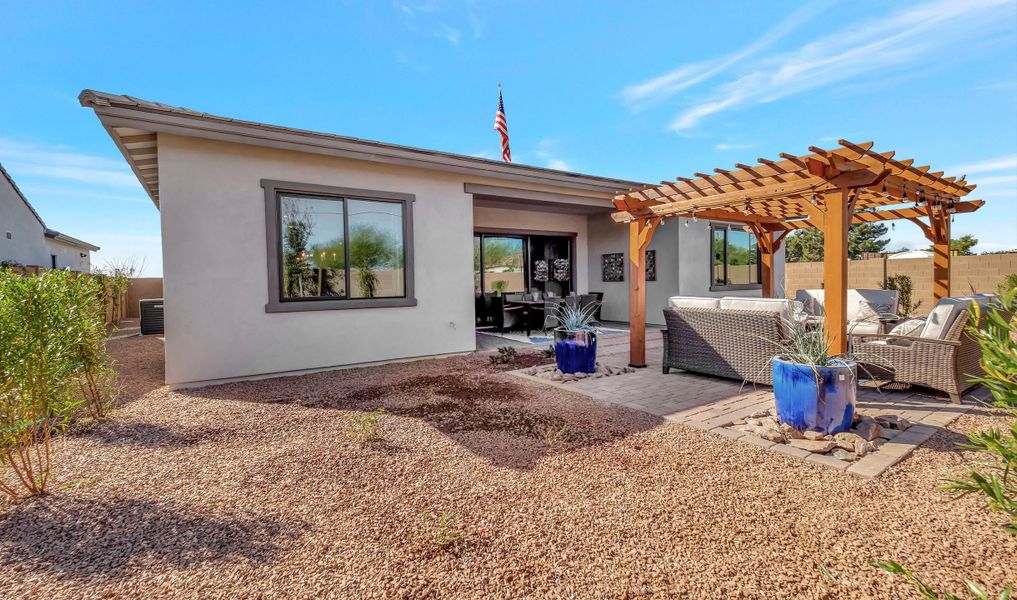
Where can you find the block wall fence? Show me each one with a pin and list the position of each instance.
(981, 273)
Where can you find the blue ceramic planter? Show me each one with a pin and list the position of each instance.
(575, 351)
(826, 405)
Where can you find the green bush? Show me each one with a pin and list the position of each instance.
(905, 287)
(996, 476)
(52, 361)
(1008, 284)
(992, 331)
(367, 428)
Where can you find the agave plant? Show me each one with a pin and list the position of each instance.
(573, 317)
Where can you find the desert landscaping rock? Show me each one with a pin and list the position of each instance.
(815, 446)
(867, 429)
(811, 434)
(552, 373)
(256, 490)
(841, 454)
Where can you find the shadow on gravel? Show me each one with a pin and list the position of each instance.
(150, 435)
(106, 539)
(140, 362)
(493, 415)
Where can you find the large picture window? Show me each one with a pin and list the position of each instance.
(735, 260)
(334, 248)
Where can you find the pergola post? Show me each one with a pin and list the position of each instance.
(940, 227)
(640, 234)
(839, 210)
(768, 247)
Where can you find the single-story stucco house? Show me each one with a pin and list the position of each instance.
(255, 222)
(27, 241)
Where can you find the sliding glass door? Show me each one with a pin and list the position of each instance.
(503, 260)
(513, 263)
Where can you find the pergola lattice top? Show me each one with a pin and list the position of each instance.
(827, 189)
(783, 195)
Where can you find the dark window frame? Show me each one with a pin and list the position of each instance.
(278, 304)
(714, 286)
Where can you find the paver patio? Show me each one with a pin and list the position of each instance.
(715, 404)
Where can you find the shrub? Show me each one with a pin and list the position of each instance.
(905, 287)
(1009, 283)
(555, 438)
(992, 331)
(506, 355)
(927, 591)
(52, 359)
(439, 530)
(367, 427)
(995, 476)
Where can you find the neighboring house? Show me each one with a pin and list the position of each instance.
(256, 219)
(27, 241)
(910, 254)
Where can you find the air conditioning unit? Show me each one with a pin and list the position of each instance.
(151, 316)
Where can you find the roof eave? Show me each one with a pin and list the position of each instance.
(128, 112)
(70, 241)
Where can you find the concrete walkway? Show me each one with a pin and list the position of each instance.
(717, 405)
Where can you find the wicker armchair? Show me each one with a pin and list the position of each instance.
(737, 344)
(941, 364)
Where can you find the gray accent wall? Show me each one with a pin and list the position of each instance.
(683, 266)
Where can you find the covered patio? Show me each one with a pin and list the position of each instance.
(826, 189)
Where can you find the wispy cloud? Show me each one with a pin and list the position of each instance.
(442, 19)
(648, 93)
(1001, 163)
(862, 48)
(723, 147)
(996, 178)
(58, 163)
(546, 151)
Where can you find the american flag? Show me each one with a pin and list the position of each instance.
(501, 126)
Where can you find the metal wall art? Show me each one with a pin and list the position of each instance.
(540, 270)
(613, 267)
(651, 265)
(562, 269)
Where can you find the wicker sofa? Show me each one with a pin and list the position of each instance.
(940, 356)
(726, 337)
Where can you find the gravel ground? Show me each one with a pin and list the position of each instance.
(259, 490)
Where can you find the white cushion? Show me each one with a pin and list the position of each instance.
(880, 301)
(945, 312)
(777, 305)
(812, 301)
(860, 303)
(692, 302)
(909, 327)
(863, 327)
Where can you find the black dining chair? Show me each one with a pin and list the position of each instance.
(507, 317)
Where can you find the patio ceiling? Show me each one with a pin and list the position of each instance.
(826, 189)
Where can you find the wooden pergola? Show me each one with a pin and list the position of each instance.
(827, 189)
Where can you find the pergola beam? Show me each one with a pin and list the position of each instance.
(827, 189)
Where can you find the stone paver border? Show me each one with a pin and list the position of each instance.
(713, 404)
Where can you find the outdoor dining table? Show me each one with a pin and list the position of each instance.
(527, 310)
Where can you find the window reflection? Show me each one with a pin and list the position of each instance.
(313, 258)
(376, 249)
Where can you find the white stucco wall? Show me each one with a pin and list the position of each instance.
(215, 264)
(537, 221)
(68, 257)
(683, 259)
(26, 245)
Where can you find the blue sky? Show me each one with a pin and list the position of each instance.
(645, 91)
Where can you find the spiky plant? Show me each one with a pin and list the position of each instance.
(575, 318)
